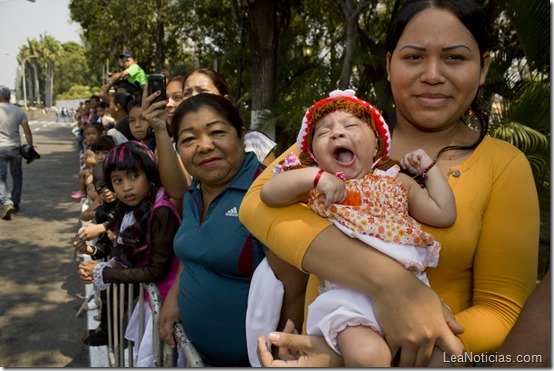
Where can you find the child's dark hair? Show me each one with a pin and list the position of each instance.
(96, 125)
(137, 102)
(126, 86)
(103, 143)
(133, 156)
(122, 99)
(102, 105)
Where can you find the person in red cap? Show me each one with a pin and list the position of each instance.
(346, 175)
(132, 72)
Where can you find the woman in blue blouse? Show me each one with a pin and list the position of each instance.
(218, 254)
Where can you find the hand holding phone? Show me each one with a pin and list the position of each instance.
(156, 82)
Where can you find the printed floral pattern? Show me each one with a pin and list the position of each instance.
(376, 206)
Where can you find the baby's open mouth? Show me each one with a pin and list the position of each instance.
(343, 155)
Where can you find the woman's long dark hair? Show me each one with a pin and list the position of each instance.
(133, 156)
(123, 100)
(474, 19)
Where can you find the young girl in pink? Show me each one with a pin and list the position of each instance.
(144, 227)
(345, 175)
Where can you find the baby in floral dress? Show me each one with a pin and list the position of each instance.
(344, 173)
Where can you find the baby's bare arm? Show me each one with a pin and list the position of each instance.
(434, 204)
(289, 187)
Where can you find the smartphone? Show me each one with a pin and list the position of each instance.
(156, 82)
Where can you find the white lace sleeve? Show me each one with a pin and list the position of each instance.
(97, 275)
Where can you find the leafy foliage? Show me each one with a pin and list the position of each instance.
(519, 82)
(76, 92)
(312, 42)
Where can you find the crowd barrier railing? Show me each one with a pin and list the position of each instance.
(121, 303)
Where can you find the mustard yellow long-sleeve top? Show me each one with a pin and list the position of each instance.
(488, 261)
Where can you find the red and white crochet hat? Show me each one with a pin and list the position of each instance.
(346, 101)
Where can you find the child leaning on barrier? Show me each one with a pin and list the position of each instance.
(84, 176)
(93, 240)
(102, 212)
(143, 228)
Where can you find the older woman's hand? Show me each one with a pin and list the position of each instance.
(169, 316)
(297, 350)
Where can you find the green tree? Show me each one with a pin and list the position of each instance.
(71, 68)
(76, 92)
(148, 28)
(282, 56)
(520, 88)
(50, 51)
(31, 54)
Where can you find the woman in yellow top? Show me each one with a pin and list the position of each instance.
(437, 59)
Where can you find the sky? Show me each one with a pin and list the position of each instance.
(22, 20)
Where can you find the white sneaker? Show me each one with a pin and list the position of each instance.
(7, 213)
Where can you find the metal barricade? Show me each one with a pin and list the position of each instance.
(120, 350)
(190, 352)
(118, 296)
(164, 355)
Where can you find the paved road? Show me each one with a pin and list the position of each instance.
(39, 290)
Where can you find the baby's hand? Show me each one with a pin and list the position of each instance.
(416, 161)
(332, 188)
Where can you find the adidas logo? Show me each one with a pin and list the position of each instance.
(232, 212)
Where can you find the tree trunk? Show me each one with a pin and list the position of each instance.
(52, 68)
(263, 46)
(351, 10)
(160, 30)
(37, 85)
(241, 59)
(351, 41)
(46, 84)
(48, 81)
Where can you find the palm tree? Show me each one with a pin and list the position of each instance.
(25, 54)
(34, 49)
(524, 111)
(520, 105)
(50, 51)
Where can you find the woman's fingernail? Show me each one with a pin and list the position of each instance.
(274, 336)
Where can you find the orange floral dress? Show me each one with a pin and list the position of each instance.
(377, 206)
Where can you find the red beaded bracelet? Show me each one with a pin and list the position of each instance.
(317, 177)
(424, 173)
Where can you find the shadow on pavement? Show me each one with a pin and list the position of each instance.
(40, 289)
